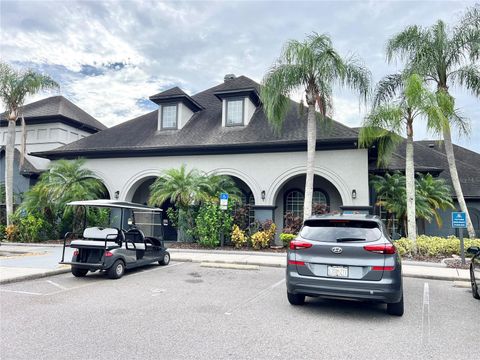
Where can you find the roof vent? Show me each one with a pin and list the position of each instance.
(431, 145)
(229, 77)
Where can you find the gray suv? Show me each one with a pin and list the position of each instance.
(345, 257)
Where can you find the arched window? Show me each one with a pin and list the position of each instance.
(294, 203)
(294, 200)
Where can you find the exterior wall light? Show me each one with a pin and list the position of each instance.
(263, 194)
(116, 195)
(354, 194)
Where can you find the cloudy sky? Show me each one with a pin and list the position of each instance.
(110, 56)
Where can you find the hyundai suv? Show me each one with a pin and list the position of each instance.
(345, 257)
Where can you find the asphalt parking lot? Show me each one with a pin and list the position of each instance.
(186, 311)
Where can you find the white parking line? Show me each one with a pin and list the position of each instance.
(20, 292)
(57, 285)
(260, 294)
(426, 314)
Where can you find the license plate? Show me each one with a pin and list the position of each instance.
(337, 271)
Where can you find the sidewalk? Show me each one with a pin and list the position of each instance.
(31, 261)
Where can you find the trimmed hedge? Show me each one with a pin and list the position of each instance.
(434, 246)
(286, 238)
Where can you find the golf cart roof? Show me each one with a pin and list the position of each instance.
(113, 204)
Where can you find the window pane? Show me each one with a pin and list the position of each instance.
(234, 112)
(169, 117)
(294, 203)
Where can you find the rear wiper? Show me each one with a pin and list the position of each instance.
(349, 239)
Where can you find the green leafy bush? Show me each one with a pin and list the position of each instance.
(286, 238)
(434, 246)
(211, 222)
(27, 228)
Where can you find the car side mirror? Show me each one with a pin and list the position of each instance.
(473, 250)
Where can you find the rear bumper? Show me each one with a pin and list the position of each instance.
(388, 290)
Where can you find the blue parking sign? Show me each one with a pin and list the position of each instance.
(223, 196)
(459, 220)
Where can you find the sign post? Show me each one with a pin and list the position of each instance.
(223, 206)
(459, 221)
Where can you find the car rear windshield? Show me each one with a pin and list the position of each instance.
(340, 230)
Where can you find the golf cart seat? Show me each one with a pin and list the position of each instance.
(137, 237)
(96, 236)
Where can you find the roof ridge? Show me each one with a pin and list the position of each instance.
(445, 155)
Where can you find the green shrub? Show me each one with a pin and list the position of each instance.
(434, 246)
(27, 228)
(286, 238)
(211, 222)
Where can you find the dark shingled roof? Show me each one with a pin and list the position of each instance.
(429, 156)
(204, 131)
(55, 107)
(28, 168)
(175, 91)
(173, 95)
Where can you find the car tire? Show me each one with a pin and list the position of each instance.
(166, 259)
(117, 270)
(397, 308)
(78, 272)
(295, 299)
(475, 293)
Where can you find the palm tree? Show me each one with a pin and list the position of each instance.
(14, 88)
(314, 67)
(431, 195)
(187, 189)
(64, 181)
(392, 117)
(444, 57)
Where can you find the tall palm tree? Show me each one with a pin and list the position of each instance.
(314, 67)
(444, 57)
(14, 88)
(392, 117)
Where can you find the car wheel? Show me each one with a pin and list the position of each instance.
(117, 270)
(295, 299)
(396, 308)
(475, 293)
(166, 259)
(77, 272)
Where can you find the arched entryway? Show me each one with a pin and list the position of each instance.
(291, 195)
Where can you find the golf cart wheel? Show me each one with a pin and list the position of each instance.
(77, 272)
(166, 259)
(396, 308)
(475, 292)
(117, 270)
(295, 299)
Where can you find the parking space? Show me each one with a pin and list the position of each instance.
(187, 311)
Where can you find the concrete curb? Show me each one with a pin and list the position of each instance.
(46, 273)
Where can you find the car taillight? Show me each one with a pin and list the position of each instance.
(294, 262)
(76, 252)
(381, 248)
(298, 244)
(383, 268)
(108, 254)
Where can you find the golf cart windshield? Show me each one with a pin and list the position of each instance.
(120, 215)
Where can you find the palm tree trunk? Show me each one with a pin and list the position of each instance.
(410, 185)
(9, 151)
(311, 142)
(447, 140)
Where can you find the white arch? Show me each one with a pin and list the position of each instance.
(328, 174)
(251, 182)
(132, 184)
(101, 176)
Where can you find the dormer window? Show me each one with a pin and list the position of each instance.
(169, 118)
(235, 110)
